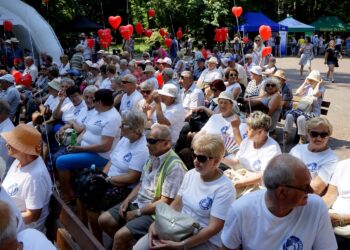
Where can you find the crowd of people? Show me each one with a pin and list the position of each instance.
(119, 136)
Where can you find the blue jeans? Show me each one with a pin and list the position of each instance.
(77, 161)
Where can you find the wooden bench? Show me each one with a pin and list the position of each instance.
(66, 230)
(324, 105)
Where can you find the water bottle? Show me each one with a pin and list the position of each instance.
(93, 168)
(73, 138)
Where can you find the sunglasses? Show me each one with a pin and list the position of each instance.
(200, 158)
(270, 85)
(153, 141)
(307, 190)
(146, 92)
(315, 134)
(232, 75)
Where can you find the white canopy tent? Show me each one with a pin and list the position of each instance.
(30, 28)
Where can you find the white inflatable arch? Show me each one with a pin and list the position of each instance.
(30, 28)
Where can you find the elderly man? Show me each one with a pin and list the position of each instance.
(5, 126)
(284, 216)
(167, 75)
(149, 72)
(192, 97)
(30, 68)
(10, 93)
(131, 219)
(210, 74)
(131, 97)
(242, 74)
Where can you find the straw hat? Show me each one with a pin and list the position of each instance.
(55, 84)
(213, 60)
(314, 75)
(280, 74)
(24, 138)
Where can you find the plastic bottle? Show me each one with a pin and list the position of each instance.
(73, 138)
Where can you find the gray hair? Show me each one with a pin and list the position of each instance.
(2, 169)
(211, 145)
(258, 120)
(281, 171)
(273, 80)
(67, 80)
(4, 108)
(147, 85)
(116, 79)
(169, 72)
(8, 228)
(136, 121)
(164, 131)
(123, 62)
(317, 121)
(91, 89)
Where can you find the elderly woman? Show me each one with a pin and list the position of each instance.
(28, 182)
(249, 65)
(207, 186)
(124, 168)
(272, 101)
(102, 132)
(256, 150)
(317, 155)
(256, 84)
(337, 200)
(232, 85)
(146, 104)
(313, 90)
(64, 65)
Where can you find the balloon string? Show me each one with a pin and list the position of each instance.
(240, 39)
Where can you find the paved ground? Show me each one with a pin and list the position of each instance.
(337, 93)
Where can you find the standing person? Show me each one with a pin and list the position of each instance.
(173, 48)
(307, 54)
(315, 42)
(257, 51)
(338, 44)
(285, 215)
(277, 45)
(294, 46)
(331, 59)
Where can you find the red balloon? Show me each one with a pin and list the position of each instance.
(237, 11)
(245, 39)
(104, 33)
(130, 29)
(168, 42)
(151, 12)
(162, 32)
(265, 32)
(160, 80)
(17, 75)
(139, 28)
(90, 43)
(148, 33)
(26, 80)
(7, 25)
(266, 51)
(204, 53)
(115, 21)
(179, 33)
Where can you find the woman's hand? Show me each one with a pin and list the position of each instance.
(74, 149)
(156, 97)
(337, 219)
(236, 121)
(168, 244)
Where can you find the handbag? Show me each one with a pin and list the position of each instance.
(173, 225)
(305, 104)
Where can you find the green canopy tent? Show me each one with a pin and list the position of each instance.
(296, 26)
(330, 24)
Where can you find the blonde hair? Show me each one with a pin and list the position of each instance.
(211, 145)
(258, 120)
(317, 121)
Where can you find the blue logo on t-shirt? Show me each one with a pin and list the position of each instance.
(76, 113)
(293, 243)
(224, 129)
(128, 104)
(257, 165)
(13, 189)
(98, 123)
(313, 167)
(206, 203)
(127, 157)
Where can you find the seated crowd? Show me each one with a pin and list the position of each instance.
(123, 137)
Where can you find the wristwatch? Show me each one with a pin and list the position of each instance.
(108, 179)
(138, 212)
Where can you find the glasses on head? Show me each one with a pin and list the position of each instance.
(232, 75)
(307, 190)
(146, 92)
(153, 141)
(270, 85)
(200, 158)
(315, 134)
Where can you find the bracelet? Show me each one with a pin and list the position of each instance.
(184, 247)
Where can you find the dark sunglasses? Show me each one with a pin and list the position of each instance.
(232, 75)
(153, 141)
(146, 92)
(307, 190)
(315, 134)
(200, 158)
(270, 85)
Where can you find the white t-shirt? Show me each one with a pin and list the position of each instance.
(233, 87)
(34, 240)
(30, 188)
(208, 76)
(242, 74)
(192, 98)
(52, 102)
(128, 155)
(256, 160)
(203, 199)
(250, 224)
(340, 179)
(319, 163)
(175, 113)
(130, 102)
(71, 112)
(102, 124)
(7, 199)
(106, 84)
(5, 126)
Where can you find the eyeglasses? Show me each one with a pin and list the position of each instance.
(307, 190)
(270, 85)
(146, 92)
(200, 158)
(153, 141)
(315, 134)
(232, 75)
